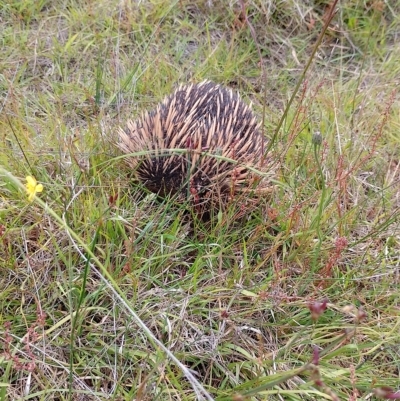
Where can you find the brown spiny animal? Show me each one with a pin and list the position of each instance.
(198, 143)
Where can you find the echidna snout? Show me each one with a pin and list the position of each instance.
(198, 142)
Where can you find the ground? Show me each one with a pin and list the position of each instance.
(109, 293)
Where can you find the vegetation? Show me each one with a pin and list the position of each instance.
(110, 293)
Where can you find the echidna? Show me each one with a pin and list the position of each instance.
(198, 143)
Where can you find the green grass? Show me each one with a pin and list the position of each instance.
(102, 286)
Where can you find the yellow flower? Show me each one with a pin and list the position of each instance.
(32, 187)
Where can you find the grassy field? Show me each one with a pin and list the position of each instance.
(107, 293)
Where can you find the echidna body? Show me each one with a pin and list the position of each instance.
(187, 143)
